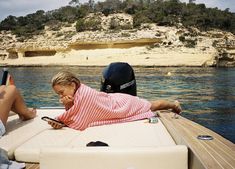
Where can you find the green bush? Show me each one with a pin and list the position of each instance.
(114, 24)
(80, 25)
(182, 38)
(190, 43)
(140, 18)
(126, 26)
(125, 34)
(91, 24)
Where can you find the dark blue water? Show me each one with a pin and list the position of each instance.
(207, 95)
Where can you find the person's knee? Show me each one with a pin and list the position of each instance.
(2, 90)
(2, 87)
(11, 89)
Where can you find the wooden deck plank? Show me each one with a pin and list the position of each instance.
(194, 162)
(32, 166)
(204, 130)
(220, 154)
(217, 143)
(211, 154)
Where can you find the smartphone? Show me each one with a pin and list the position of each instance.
(47, 119)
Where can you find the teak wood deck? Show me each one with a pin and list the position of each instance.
(32, 166)
(218, 153)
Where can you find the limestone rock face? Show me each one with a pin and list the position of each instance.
(225, 58)
(117, 31)
(225, 55)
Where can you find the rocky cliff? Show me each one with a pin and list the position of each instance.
(117, 32)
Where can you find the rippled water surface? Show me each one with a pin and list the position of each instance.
(207, 94)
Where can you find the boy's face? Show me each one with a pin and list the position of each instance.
(65, 90)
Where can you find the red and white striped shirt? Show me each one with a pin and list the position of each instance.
(93, 108)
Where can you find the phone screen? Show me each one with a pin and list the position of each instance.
(45, 118)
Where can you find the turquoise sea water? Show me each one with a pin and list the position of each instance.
(207, 95)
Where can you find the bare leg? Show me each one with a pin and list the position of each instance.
(10, 99)
(5, 104)
(20, 107)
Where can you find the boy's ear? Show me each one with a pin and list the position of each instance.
(74, 84)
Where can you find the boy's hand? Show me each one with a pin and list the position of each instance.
(67, 101)
(55, 125)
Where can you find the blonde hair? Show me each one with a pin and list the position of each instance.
(64, 78)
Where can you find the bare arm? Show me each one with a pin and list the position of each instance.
(164, 105)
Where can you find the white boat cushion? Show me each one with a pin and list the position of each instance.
(18, 131)
(167, 157)
(132, 134)
(30, 151)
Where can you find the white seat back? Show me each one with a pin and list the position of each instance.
(167, 157)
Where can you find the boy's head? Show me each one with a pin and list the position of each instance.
(65, 83)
